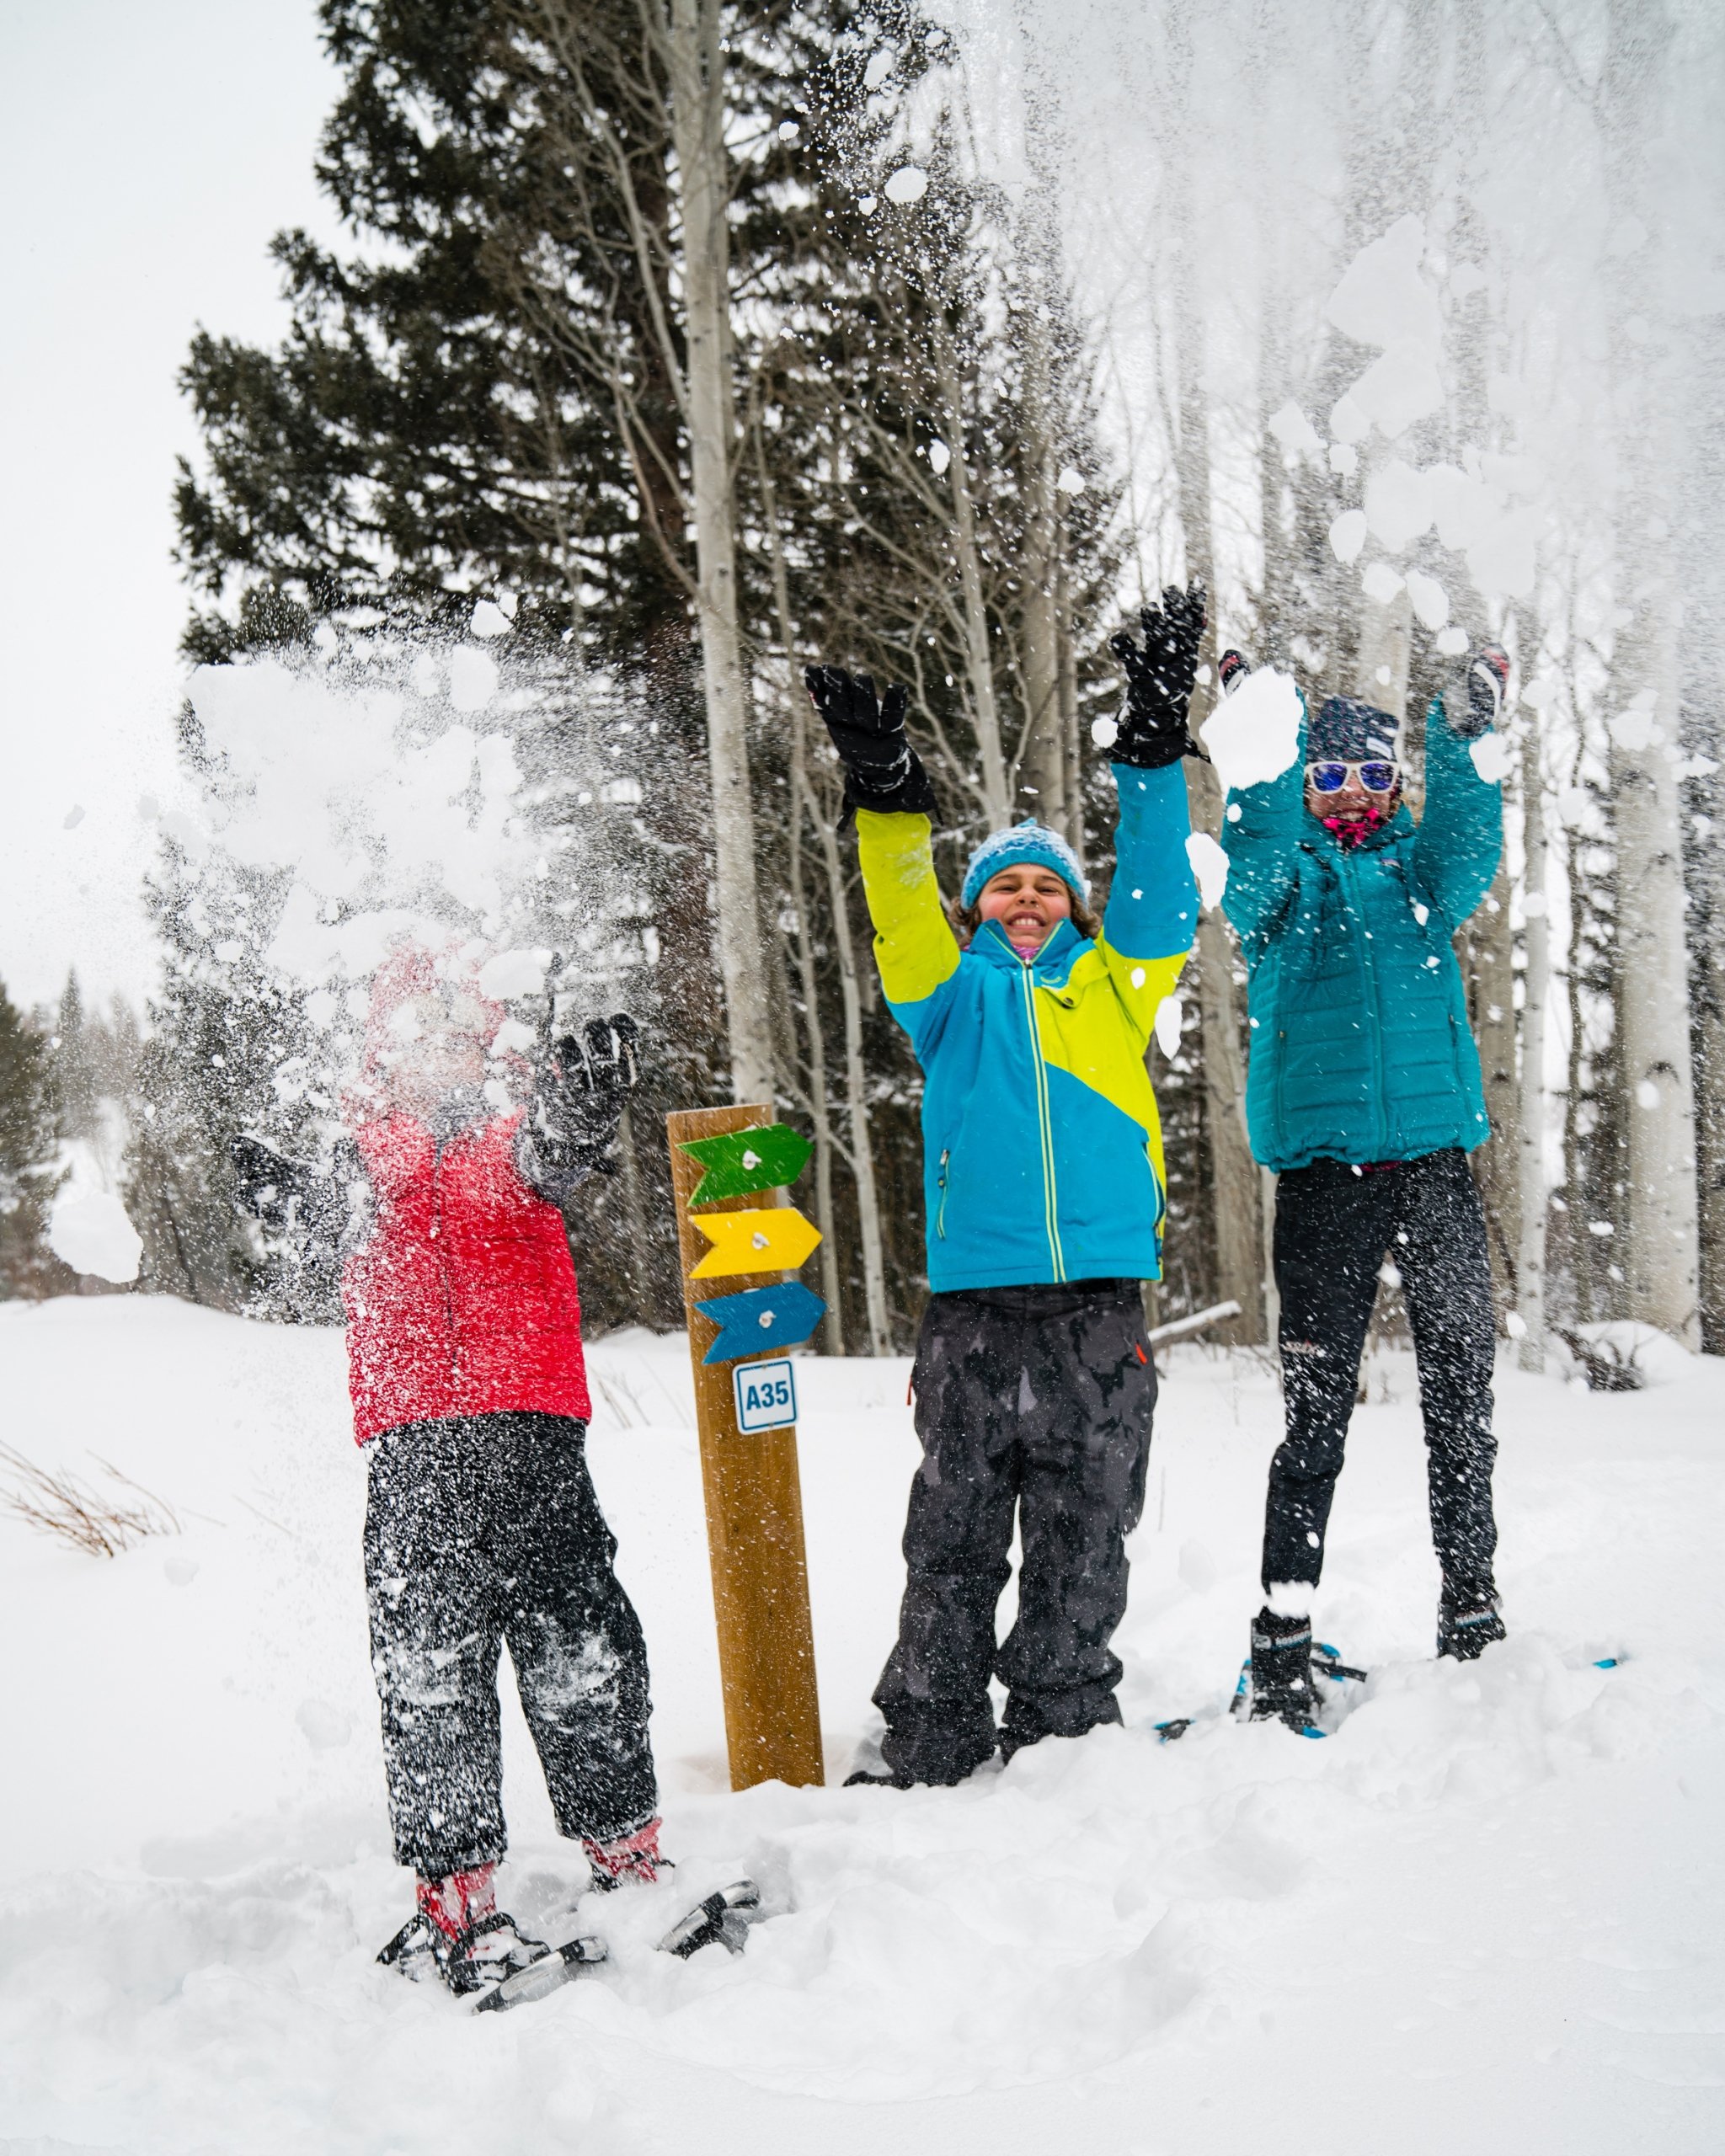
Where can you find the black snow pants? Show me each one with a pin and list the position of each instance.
(480, 1529)
(1035, 1400)
(1334, 1226)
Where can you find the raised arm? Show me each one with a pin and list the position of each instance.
(1152, 910)
(1461, 832)
(1261, 836)
(914, 944)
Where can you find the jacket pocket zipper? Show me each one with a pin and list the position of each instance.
(940, 1217)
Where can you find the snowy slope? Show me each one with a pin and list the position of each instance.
(1486, 1914)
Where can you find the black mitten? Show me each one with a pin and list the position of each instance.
(882, 770)
(583, 1094)
(1160, 673)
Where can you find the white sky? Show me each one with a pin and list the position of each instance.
(149, 150)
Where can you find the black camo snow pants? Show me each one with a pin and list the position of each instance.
(481, 1529)
(1035, 1402)
(1334, 1226)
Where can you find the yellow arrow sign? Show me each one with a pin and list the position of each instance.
(775, 1239)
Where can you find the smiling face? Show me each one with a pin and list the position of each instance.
(1028, 901)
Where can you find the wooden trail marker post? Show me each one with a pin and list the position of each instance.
(754, 1498)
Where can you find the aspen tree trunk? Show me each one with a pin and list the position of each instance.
(856, 1095)
(697, 61)
(1531, 1266)
(806, 802)
(1663, 1214)
(1043, 765)
(1069, 719)
(979, 658)
(820, 1112)
(1234, 1184)
(1489, 950)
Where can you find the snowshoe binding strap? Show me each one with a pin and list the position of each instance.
(546, 1974)
(723, 1917)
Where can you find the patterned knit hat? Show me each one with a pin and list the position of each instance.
(1024, 842)
(1351, 732)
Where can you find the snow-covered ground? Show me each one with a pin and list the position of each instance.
(1485, 1915)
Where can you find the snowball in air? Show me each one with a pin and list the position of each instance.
(1491, 757)
(1070, 481)
(1209, 865)
(1379, 582)
(880, 65)
(92, 1234)
(908, 183)
(1104, 732)
(1169, 1016)
(489, 620)
(1452, 641)
(939, 456)
(1431, 602)
(1254, 735)
(1295, 431)
(1348, 535)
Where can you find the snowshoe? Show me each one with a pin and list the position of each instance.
(1326, 1662)
(491, 1956)
(543, 1973)
(723, 1919)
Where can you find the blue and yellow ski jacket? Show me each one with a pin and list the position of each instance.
(1361, 1049)
(1042, 1150)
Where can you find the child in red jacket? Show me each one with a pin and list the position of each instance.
(470, 1394)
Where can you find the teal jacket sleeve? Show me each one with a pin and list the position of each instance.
(1261, 840)
(1152, 908)
(1461, 832)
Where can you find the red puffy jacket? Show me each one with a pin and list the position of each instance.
(463, 1299)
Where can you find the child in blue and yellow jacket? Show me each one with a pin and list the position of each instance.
(1043, 1186)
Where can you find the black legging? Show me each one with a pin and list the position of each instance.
(1334, 1226)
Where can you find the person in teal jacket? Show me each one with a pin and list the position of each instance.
(1363, 1094)
(1044, 1186)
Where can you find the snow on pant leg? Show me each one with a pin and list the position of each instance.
(1447, 1278)
(1332, 1227)
(573, 1637)
(435, 1632)
(957, 1536)
(1086, 1406)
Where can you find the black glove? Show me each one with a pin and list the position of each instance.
(882, 769)
(1159, 677)
(1487, 677)
(583, 1094)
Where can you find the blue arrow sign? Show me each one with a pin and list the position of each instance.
(759, 1319)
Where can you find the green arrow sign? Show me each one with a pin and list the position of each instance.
(743, 1161)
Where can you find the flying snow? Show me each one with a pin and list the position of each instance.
(1254, 736)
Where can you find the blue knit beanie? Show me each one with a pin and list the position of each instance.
(1024, 842)
(1351, 732)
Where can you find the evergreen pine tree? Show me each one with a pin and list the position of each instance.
(29, 1166)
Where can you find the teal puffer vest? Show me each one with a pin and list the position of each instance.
(1360, 1045)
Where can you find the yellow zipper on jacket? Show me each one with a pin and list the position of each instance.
(1040, 1071)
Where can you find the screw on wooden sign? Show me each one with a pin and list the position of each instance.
(753, 1494)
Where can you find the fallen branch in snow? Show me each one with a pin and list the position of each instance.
(1195, 1323)
(101, 1523)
